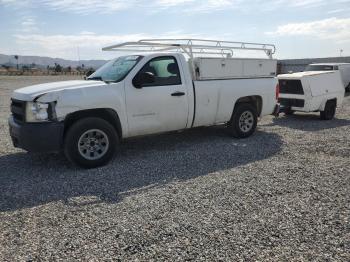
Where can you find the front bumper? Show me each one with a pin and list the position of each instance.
(37, 137)
(292, 102)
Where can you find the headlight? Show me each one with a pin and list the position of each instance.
(36, 112)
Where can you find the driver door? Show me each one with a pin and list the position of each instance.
(159, 104)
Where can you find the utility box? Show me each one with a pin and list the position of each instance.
(227, 68)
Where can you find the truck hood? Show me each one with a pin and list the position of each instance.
(29, 93)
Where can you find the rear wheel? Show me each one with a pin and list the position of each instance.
(329, 110)
(244, 120)
(90, 142)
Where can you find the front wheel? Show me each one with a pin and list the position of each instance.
(244, 120)
(329, 111)
(90, 142)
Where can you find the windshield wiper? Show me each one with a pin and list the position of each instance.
(95, 78)
(98, 78)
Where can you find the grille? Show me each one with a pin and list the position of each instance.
(288, 102)
(18, 109)
(291, 87)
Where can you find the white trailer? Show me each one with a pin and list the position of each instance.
(343, 68)
(319, 91)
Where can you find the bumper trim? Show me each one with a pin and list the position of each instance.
(37, 137)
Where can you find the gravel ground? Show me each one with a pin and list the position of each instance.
(283, 194)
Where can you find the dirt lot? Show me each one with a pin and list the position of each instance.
(283, 194)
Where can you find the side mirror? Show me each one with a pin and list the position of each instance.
(143, 78)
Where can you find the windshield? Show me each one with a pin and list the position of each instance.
(319, 68)
(116, 69)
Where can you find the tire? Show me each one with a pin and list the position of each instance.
(244, 120)
(289, 112)
(347, 89)
(90, 142)
(329, 110)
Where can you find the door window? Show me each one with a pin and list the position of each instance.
(165, 70)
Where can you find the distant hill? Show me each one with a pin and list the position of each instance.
(41, 61)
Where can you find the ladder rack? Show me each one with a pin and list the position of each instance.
(191, 47)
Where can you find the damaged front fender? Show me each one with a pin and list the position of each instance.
(62, 103)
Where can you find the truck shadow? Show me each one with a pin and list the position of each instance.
(30, 180)
(308, 122)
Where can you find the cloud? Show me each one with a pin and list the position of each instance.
(168, 3)
(73, 6)
(308, 3)
(89, 6)
(191, 5)
(336, 11)
(111, 6)
(28, 25)
(66, 45)
(336, 29)
(188, 6)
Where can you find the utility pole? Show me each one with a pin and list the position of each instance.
(16, 57)
(78, 52)
(341, 52)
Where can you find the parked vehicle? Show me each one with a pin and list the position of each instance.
(311, 92)
(343, 68)
(138, 95)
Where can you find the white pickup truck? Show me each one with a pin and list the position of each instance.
(139, 95)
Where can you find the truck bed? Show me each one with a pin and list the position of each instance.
(215, 99)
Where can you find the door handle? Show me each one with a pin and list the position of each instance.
(178, 94)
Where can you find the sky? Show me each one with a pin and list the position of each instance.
(78, 30)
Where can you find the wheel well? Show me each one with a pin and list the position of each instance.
(332, 100)
(324, 103)
(256, 101)
(105, 113)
